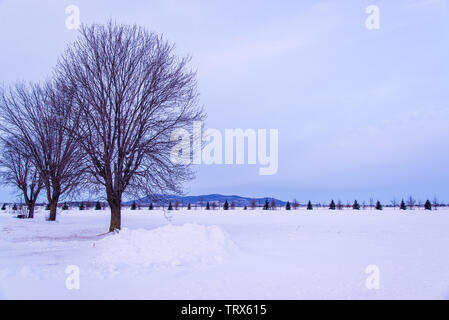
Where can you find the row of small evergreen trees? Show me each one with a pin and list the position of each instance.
(266, 206)
(288, 206)
(64, 206)
(355, 206)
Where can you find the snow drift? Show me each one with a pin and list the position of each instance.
(169, 245)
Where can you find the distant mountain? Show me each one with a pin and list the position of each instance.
(203, 199)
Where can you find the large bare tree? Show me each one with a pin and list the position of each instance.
(38, 117)
(18, 170)
(131, 92)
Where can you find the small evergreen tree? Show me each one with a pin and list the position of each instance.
(428, 205)
(226, 205)
(266, 206)
(170, 207)
(14, 207)
(4, 207)
(98, 205)
(207, 206)
(82, 206)
(189, 206)
(151, 206)
(356, 205)
(288, 206)
(65, 207)
(309, 205)
(403, 206)
(133, 206)
(332, 205)
(379, 206)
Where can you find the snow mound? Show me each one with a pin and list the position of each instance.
(169, 245)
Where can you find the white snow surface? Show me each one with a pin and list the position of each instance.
(170, 245)
(227, 255)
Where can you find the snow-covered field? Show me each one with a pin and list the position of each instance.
(228, 255)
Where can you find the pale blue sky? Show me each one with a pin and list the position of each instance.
(360, 112)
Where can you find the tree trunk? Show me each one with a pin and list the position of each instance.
(30, 205)
(31, 211)
(53, 198)
(115, 203)
(116, 218)
(53, 206)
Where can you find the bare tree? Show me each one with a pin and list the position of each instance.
(339, 205)
(131, 92)
(19, 170)
(411, 202)
(253, 204)
(419, 204)
(435, 203)
(394, 203)
(295, 204)
(38, 118)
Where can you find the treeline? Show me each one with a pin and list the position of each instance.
(410, 204)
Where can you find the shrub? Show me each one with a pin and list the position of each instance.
(379, 206)
(309, 205)
(266, 206)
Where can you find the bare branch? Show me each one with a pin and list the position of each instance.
(130, 93)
